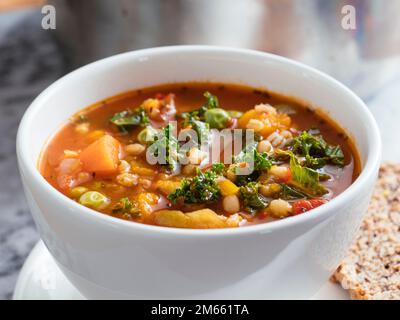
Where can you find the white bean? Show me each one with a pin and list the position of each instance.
(135, 149)
(280, 208)
(265, 146)
(196, 156)
(231, 204)
(280, 172)
(189, 169)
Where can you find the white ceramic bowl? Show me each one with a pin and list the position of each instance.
(105, 257)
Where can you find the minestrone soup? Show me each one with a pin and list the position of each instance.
(200, 155)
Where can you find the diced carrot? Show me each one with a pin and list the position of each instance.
(101, 156)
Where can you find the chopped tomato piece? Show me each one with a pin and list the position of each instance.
(317, 202)
(301, 206)
(232, 123)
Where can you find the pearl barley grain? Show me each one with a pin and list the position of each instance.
(127, 179)
(255, 124)
(267, 108)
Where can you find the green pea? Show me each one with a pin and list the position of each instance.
(94, 200)
(77, 192)
(234, 113)
(147, 135)
(217, 118)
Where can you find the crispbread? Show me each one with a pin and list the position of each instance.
(371, 269)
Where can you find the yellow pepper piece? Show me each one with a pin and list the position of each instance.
(228, 188)
(167, 187)
(150, 104)
(199, 219)
(143, 171)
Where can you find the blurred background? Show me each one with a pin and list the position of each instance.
(363, 53)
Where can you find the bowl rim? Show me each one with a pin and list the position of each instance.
(368, 171)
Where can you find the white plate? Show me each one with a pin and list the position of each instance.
(41, 279)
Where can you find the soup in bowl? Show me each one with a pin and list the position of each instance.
(127, 161)
(166, 156)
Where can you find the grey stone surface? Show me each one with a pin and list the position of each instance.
(29, 62)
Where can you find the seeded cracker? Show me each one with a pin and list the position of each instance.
(371, 269)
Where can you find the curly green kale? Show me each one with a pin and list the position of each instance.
(128, 119)
(125, 207)
(260, 162)
(253, 201)
(166, 145)
(316, 150)
(202, 188)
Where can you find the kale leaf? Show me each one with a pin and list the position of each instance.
(128, 119)
(305, 178)
(247, 153)
(335, 155)
(211, 103)
(291, 193)
(253, 201)
(250, 155)
(202, 188)
(166, 143)
(203, 131)
(126, 207)
(316, 150)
